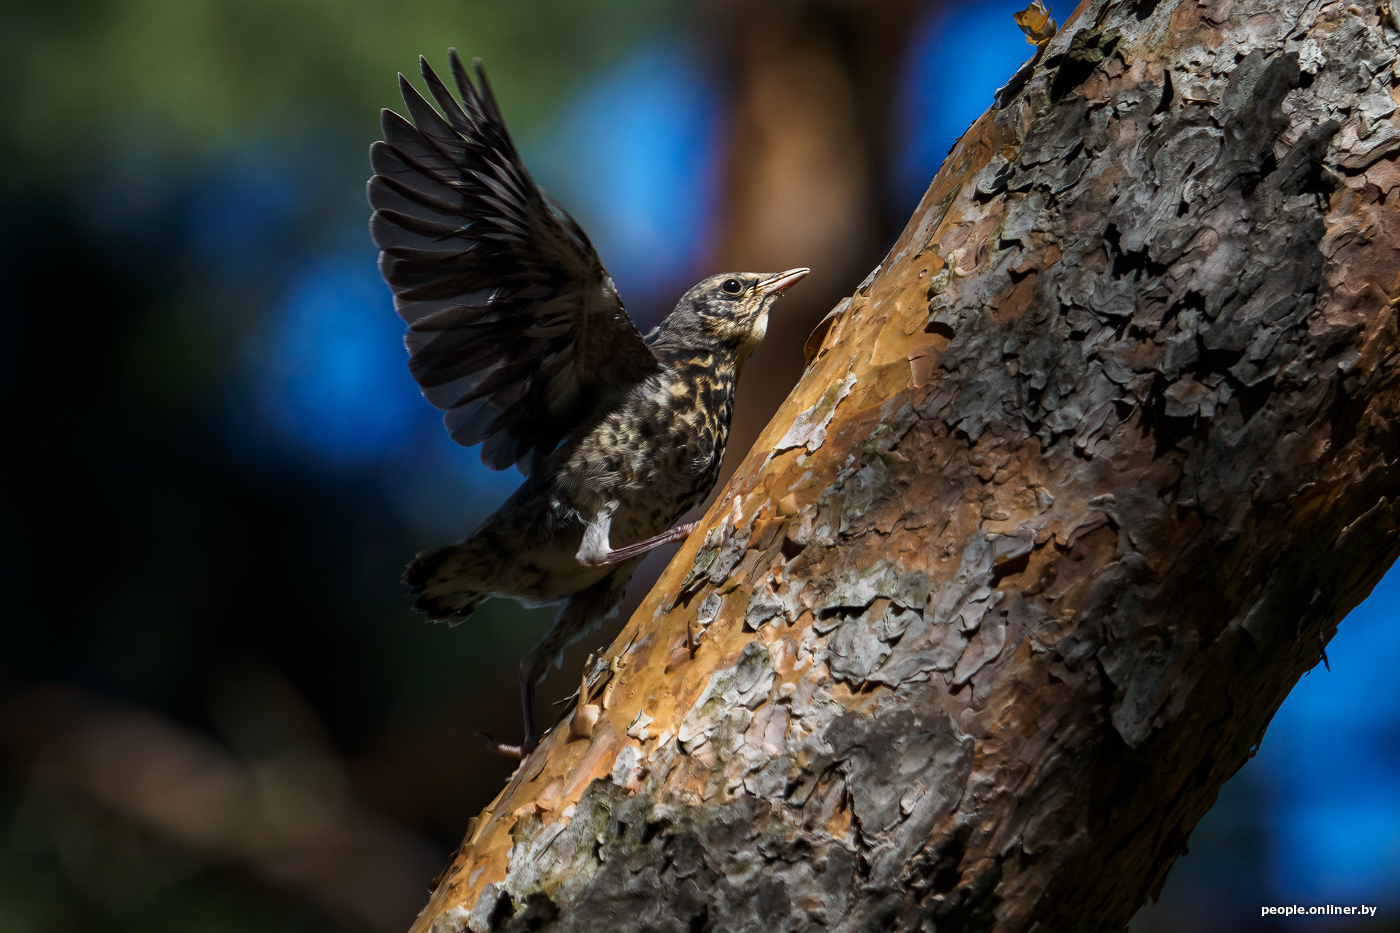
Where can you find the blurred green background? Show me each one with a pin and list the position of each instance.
(216, 711)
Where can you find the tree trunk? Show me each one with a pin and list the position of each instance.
(1079, 484)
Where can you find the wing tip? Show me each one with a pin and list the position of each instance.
(426, 70)
(459, 74)
(487, 95)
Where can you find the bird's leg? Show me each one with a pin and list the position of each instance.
(528, 678)
(532, 668)
(597, 551)
(582, 612)
(678, 533)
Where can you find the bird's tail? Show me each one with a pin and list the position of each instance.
(444, 590)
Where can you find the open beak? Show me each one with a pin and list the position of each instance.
(782, 281)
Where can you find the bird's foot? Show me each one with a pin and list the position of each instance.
(603, 558)
(516, 752)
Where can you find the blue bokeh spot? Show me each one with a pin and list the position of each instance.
(957, 58)
(636, 158)
(334, 372)
(242, 216)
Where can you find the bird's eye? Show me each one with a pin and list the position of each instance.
(731, 286)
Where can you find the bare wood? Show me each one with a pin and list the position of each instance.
(1079, 484)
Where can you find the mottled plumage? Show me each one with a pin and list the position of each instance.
(517, 332)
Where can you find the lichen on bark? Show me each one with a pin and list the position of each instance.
(1079, 483)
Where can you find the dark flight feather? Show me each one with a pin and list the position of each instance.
(515, 328)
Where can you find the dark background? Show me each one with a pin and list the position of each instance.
(216, 711)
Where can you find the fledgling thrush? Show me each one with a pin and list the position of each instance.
(516, 330)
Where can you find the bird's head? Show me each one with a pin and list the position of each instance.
(732, 308)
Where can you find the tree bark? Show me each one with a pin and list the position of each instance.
(1079, 484)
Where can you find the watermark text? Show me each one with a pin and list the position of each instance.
(1322, 910)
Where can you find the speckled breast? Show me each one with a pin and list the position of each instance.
(660, 454)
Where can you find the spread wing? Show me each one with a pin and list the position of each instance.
(515, 329)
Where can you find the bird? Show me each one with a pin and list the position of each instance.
(517, 332)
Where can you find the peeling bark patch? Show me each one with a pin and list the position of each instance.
(861, 643)
(809, 428)
(745, 684)
(861, 586)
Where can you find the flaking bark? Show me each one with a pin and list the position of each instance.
(1079, 484)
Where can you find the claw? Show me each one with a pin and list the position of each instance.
(516, 752)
